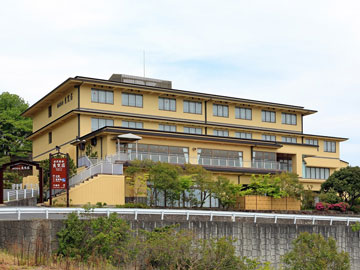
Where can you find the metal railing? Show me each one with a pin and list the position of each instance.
(102, 167)
(9, 213)
(175, 159)
(84, 161)
(19, 194)
(205, 161)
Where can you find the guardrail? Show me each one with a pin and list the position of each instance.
(19, 194)
(18, 213)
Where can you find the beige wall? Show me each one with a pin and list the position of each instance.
(63, 132)
(150, 107)
(41, 118)
(109, 189)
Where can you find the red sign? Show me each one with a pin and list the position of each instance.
(58, 173)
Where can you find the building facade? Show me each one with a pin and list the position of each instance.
(230, 136)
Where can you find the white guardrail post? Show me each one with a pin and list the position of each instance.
(8, 213)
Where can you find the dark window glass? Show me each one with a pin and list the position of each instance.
(243, 113)
(220, 110)
(167, 104)
(268, 116)
(192, 107)
(132, 100)
(50, 111)
(102, 96)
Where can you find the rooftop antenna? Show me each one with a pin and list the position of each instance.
(144, 62)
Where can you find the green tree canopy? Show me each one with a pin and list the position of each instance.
(13, 127)
(346, 182)
(313, 252)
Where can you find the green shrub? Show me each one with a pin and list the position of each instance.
(308, 199)
(110, 240)
(104, 237)
(132, 205)
(313, 252)
(331, 196)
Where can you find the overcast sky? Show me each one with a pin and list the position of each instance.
(299, 52)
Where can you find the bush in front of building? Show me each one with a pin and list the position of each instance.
(323, 206)
(314, 252)
(346, 183)
(110, 240)
(276, 186)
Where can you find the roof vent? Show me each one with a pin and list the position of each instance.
(140, 80)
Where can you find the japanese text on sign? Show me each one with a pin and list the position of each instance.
(58, 173)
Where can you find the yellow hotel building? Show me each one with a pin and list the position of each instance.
(231, 136)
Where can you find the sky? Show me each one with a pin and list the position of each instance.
(299, 52)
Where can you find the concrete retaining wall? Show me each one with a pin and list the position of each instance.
(23, 202)
(263, 240)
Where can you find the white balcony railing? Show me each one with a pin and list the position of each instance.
(205, 161)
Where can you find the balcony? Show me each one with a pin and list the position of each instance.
(204, 161)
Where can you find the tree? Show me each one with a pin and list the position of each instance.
(202, 180)
(290, 184)
(165, 178)
(137, 175)
(226, 192)
(346, 182)
(13, 127)
(313, 252)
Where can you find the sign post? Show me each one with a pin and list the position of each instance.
(59, 174)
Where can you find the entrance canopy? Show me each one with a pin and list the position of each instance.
(129, 137)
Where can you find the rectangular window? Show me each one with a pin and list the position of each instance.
(288, 118)
(220, 110)
(243, 113)
(312, 141)
(97, 123)
(102, 96)
(192, 130)
(192, 107)
(267, 137)
(132, 124)
(243, 135)
(317, 173)
(49, 111)
(223, 158)
(288, 139)
(50, 137)
(132, 100)
(167, 104)
(221, 132)
(171, 128)
(268, 116)
(329, 146)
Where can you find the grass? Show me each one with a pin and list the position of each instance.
(13, 260)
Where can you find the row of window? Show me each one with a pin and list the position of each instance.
(223, 157)
(195, 107)
(286, 118)
(317, 173)
(97, 123)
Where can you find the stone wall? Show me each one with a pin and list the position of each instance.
(264, 239)
(23, 202)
